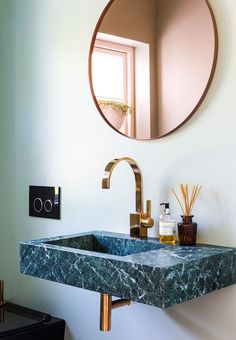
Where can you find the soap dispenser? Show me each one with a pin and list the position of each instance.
(167, 226)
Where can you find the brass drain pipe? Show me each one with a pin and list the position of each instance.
(1, 293)
(1, 301)
(106, 306)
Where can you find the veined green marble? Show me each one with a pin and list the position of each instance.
(140, 270)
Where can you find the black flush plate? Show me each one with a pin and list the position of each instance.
(44, 201)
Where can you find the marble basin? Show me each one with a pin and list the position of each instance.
(107, 244)
(139, 270)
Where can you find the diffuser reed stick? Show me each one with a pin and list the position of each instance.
(187, 204)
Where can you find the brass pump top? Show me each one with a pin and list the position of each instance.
(139, 222)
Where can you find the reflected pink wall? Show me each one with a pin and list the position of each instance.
(186, 46)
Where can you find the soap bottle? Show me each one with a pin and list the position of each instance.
(167, 226)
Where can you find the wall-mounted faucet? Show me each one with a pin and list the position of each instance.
(139, 221)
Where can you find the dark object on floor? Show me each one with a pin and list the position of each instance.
(21, 323)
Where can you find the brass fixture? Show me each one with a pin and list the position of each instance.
(106, 306)
(139, 221)
(1, 293)
(1, 301)
(1, 314)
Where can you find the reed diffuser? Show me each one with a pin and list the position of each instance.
(187, 229)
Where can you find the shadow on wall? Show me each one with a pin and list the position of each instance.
(201, 316)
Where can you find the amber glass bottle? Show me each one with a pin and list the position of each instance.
(187, 231)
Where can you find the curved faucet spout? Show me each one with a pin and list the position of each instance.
(140, 221)
(137, 174)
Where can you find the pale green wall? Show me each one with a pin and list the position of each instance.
(51, 134)
(7, 130)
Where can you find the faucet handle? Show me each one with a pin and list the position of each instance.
(148, 207)
(146, 220)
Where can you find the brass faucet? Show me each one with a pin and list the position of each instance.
(139, 221)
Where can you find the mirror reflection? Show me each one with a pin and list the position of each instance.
(151, 64)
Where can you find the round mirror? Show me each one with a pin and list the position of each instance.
(151, 63)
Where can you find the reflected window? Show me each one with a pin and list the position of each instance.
(113, 72)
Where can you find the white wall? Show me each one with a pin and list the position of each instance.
(51, 134)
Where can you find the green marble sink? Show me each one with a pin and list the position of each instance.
(139, 270)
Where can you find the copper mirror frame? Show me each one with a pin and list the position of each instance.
(197, 103)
